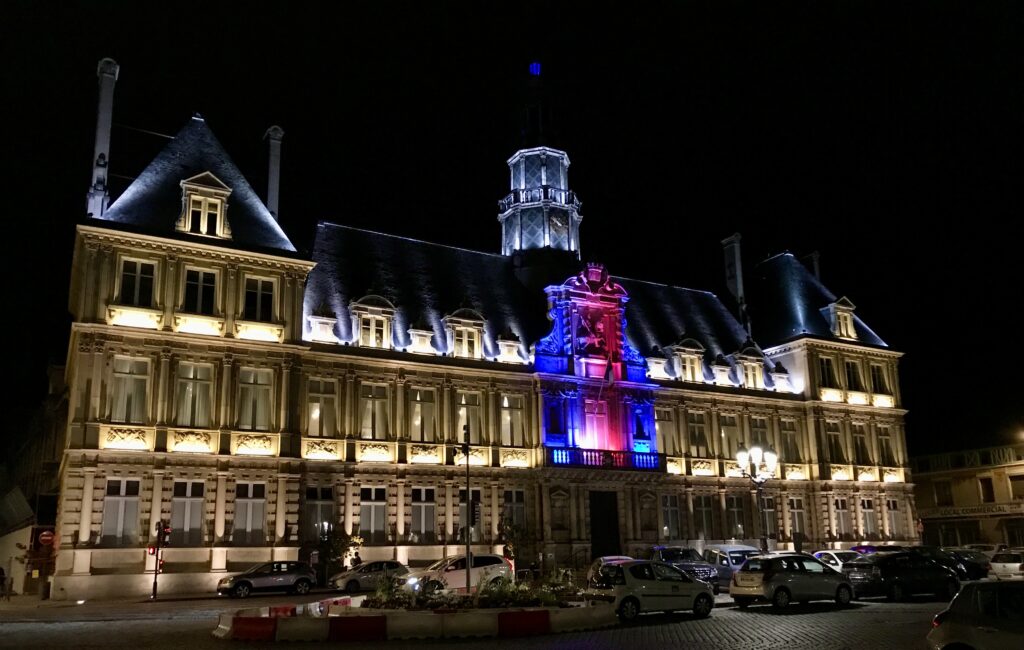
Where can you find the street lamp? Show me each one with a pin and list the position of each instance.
(758, 465)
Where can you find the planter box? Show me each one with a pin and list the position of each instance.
(572, 619)
(470, 623)
(302, 629)
(524, 622)
(414, 625)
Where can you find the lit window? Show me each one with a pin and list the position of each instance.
(469, 417)
(833, 434)
(128, 391)
(204, 216)
(796, 517)
(250, 510)
(671, 516)
(892, 514)
(844, 522)
(790, 441)
(195, 395)
(319, 513)
(853, 379)
(373, 514)
(121, 513)
(511, 421)
(698, 434)
(373, 404)
(421, 528)
(759, 431)
(667, 432)
(867, 508)
(373, 331)
(254, 399)
(137, 283)
(860, 445)
(730, 435)
(885, 452)
(827, 373)
(421, 415)
(187, 513)
(467, 342)
(259, 300)
(734, 516)
(691, 368)
(753, 375)
(844, 325)
(200, 292)
(879, 384)
(320, 401)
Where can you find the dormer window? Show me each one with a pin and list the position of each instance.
(465, 330)
(690, 368)
(372, 318)
(204, 207)
(842, 319)
(753, 374)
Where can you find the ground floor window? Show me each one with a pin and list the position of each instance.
(250, 512)
(769, 522)
(121, 513)
(424, 506)
(187, 513)
(867, 509)
(670, 514)
(373, 513)
(319, 518)
(703, 516)
(797, 525)
(893, 515)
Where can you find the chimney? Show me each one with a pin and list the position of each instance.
(274, 134)
(812, 261)
(98, 197)
(734, 276)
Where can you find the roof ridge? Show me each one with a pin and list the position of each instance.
(324, 222)
(662, 284)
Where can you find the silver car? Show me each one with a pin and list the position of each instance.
(367, 576)
(982, 615)
(297, 577)
(782, 578)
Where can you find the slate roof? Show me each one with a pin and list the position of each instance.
(428, 281)
(152, 203)
(787, 302)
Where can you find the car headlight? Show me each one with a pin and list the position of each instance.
(411, 581)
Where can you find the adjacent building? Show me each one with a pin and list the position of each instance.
(258, 397)
(972, 497)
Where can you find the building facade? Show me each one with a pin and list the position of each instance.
(258, 398)
(972, 497)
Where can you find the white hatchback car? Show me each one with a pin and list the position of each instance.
(646, 586)
(450, 573)
(1007, 565)
(836, 559)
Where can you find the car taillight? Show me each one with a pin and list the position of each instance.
(940, 618)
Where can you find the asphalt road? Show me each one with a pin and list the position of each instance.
(187, 624)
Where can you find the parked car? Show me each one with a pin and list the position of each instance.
(727, 558)
(595, 566)
(898, 575)
(297, 577)
(868, 549)
(781, 578)
(975, 563)
(450, 573)
(1007, 565)
(940, 556)
(988, 549)
(689, 560)
(983, 615)
(367, 576)
(836, 559)
(644, 586)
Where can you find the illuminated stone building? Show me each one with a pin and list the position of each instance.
(254, 395)
(972, 497)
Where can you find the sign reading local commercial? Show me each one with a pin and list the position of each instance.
(966, 511)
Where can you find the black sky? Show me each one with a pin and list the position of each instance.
(887, 136)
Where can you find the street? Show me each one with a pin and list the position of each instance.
(188, 623)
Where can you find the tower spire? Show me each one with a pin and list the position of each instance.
(540, 210)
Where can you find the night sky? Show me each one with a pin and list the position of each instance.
(887, 136)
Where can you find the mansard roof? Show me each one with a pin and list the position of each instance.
(787, 302)
(427, 281)
(153, 202)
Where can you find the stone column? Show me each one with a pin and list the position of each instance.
(723, 515)
(691, 524)
(226, 421)
(169, 299)
(163, 401)
(96, 393)
(285, 311)
(85, 519)
(399, 509)
(348, 418)
(495, 511)
(230, 300)
(574, 532)
(281, 513)
(489, 437)
(286, 371)
(220, 507)
(449, 515)
(714, 436)
(787, 528)
(106, 273)
(400, 428)
(883, 514)
(349, 507)
(446, 411)
(546, 511)
(156, 508)
(88, 272)
(830, 510)
(661, 517)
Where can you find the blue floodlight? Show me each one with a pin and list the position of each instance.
(535, 69)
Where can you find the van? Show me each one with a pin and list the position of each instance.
(727, 558)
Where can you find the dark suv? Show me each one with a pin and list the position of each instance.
(296, 577)
(689, 560)
(898, 575)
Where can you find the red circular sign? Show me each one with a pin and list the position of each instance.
(46, 538)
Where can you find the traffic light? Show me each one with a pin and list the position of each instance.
(160, 568)
(163, 533)
(151, 549)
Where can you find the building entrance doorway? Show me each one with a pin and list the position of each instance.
(604, 524)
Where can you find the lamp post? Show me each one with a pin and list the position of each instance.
(759, 466)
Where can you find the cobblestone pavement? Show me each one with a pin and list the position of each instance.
(187, 624)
